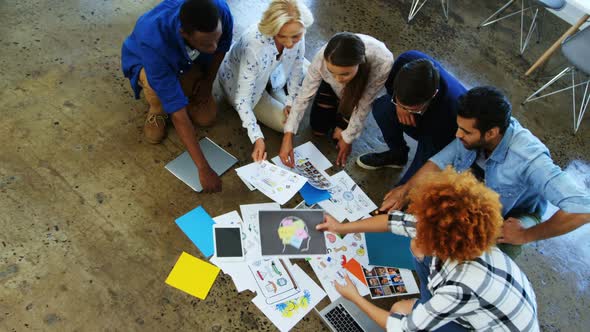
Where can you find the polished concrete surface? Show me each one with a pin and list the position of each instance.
(87, 209)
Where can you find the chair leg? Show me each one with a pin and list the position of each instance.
(445, 7)
(490, 20)
(535, 94)
(577, 114)
(583, 106)
(524, 44)
(415, 8)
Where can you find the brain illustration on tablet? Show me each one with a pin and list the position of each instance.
(293, 231)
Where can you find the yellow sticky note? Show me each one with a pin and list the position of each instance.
(192, 275)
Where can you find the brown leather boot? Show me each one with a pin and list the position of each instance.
(154, 129)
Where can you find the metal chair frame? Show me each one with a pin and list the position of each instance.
(524, 41)
(417, 5)
(578, 115)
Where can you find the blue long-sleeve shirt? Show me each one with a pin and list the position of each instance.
(439, 122)
(156, 45)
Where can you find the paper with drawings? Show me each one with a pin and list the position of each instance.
(273, 280)
(250, 187)
(277, 183)
(348, 199)
(239, 273)
(329, 268)
(250, 228)
(286, 314)
(307, 151)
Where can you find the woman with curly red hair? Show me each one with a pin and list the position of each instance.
(466, 282)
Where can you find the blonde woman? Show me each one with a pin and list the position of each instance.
(263, 71)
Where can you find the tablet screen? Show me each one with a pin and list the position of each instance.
(228, 242)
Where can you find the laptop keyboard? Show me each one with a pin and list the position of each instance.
(342, 320)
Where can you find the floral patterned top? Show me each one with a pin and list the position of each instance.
(380, 60)
(248, 67)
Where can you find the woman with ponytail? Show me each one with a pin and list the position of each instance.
(345, 77)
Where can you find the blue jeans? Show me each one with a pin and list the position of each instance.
(423, 271)
(393, 133)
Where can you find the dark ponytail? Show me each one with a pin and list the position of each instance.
(346, 49)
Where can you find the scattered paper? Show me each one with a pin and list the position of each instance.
(312, 195)
(250, 228)
(286, 314)
(248, 185)
(192, 275)
(348, 200)
(307, 151)
(330, 268)
(198, 226)
(273, 280)
(356, 269)
(278, 184)
(230, 218)
(239, 273)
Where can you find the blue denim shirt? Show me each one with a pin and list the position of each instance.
(521, 171)
(156, 45)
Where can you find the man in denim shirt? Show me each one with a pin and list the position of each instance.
(173, 55)
(514, 163)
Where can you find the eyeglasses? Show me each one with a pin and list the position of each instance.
(418, 110)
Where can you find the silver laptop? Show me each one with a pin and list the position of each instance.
(344, 316)
(185, 169)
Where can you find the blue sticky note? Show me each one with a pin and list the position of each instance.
(388, 249)
(198, 226)
(312, 195)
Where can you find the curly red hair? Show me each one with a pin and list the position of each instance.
(458, 216)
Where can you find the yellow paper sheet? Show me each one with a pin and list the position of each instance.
(192, 275)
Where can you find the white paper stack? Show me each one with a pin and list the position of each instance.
(277, 183)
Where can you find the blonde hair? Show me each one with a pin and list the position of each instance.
(281, 12)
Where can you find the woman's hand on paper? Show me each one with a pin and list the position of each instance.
(348, 290)
(259, 152)
(286, 153)
(329, 225)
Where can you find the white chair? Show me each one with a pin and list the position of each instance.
(576, 49)
(533, 6)
(417, 5)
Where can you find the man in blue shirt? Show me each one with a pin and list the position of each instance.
(421, 101)
(173, 54)
(512, 162)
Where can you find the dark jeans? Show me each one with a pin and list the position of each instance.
(423, 271)
(393, 133)
(324, 116)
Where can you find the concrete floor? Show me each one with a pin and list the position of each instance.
(87, 209)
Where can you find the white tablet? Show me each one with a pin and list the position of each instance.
(227, 240)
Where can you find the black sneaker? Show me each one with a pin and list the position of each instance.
(373, 161)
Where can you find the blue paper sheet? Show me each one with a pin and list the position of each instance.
(198, 226)
(388, 249)
(312, 195)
